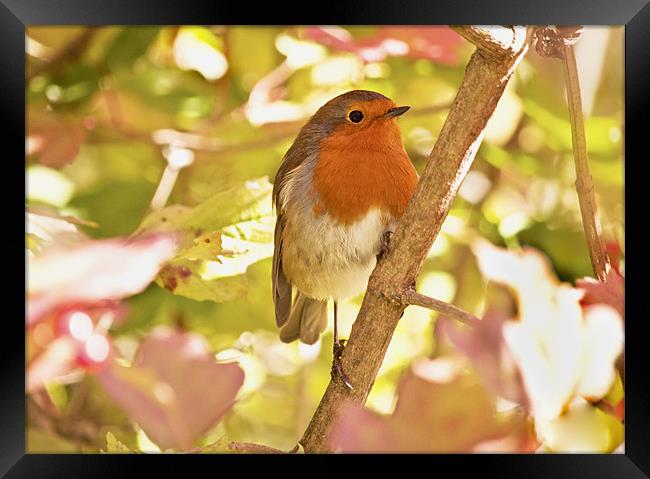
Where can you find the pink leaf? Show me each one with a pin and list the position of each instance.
(611, 291)
(439, 44)
(484, 345)
(49, 226)
(439, 409)
(56, 139)
(175, 390)
(614, 252)
(562, 350)
(70, 341)
(58, 359)
(94, 270)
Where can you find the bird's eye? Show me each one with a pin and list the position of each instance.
(355, 116)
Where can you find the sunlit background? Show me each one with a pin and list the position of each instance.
(181, 129)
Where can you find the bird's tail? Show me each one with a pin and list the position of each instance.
(307, 320)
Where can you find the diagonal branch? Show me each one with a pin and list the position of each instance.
(499, 50)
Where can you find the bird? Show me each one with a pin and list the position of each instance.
(338, 194)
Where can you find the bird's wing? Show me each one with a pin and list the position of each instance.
(281, 285)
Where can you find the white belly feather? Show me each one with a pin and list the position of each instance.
(325, 259)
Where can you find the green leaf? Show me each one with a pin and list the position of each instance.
(206, 246)
(193, 280)
(250, 201)
(169, 90)
(252, 54)
(171, 218)
(603, 134)
(558, 129)
(116, 206)
(129, 45)
(566, 248)
(502, 158)
(220, 238)
(75, 84)
(114, 445)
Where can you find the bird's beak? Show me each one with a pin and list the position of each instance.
(397, 111)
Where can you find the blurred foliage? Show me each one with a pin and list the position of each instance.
(135, 130)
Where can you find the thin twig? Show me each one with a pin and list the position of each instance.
(584, 183)
(413, 298)
(177, 159)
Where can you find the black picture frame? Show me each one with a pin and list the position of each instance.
(15, 15)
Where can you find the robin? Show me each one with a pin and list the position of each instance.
(341, 189)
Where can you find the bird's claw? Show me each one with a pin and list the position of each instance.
(337, 367)
(337, 370)
(339, 347)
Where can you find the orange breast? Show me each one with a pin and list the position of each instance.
(361, 170)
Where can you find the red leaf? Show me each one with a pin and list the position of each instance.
(69, 341)
(614, 252)
(439, 409)
(54, 138)
(94, 270)
(611, 291)
(175, 390)
(439, 44)
(619, 410)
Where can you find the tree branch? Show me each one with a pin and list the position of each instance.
(413, 298)
(486, 76)
(492, 41)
